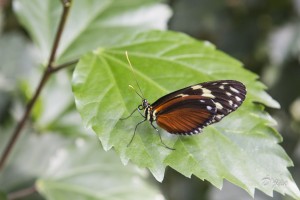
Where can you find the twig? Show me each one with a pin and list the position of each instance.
(47, 72)
(21, 193)
(63, 19)
(62, 66)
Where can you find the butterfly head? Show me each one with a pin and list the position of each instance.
(145, 104)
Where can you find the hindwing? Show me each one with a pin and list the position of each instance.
(186, 115)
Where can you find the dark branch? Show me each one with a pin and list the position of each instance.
(63, 19)
(45, 76)
(62, 66)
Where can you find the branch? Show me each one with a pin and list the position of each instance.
(47, 72)
(62, 66)
(21, 193)
(63, 19)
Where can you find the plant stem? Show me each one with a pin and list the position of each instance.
(63, 19)
(47, 72)
(21, 193)
(62, 66)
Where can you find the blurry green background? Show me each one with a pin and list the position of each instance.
(263, 34)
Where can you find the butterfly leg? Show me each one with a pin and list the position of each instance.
(135, 131)
(141, 113)
(160, 137)
(129, 115)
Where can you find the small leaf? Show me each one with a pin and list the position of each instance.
(242, 148)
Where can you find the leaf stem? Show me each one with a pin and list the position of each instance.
(47, 72)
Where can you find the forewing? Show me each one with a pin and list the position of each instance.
(227, 95)
(186, 115)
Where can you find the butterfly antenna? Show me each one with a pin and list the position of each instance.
(142, 95)
(135, 91)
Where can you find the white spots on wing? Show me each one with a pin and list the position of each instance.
(182, 95)
(219, 106)
(230, 102)
(224, 83)
(195, 131)
(198, 130)
(209, 107)
(222, 87)
(238, 98)
(228, 94)
(207, 93)
(235, 106)
(202, 101)
(219, 116)
(234, 90)
(196, 87)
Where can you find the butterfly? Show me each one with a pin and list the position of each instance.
(187, 111)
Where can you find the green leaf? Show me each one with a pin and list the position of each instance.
(64, 168)
(90, 23)
(92, 174)
(29, 159)
(242, 148)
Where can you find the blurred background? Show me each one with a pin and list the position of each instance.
(265, 36)
(262, 34)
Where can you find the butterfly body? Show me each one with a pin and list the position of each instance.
(187, 111)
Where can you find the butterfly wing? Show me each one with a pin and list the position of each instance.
(183, 112)
(228, 95)
(186, 115)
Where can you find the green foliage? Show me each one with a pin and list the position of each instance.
(242, 148)
(90, 24)
(92, 174)
(76, 168)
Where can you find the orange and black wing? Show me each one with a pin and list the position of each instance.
(188, 110)
(185, 115)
